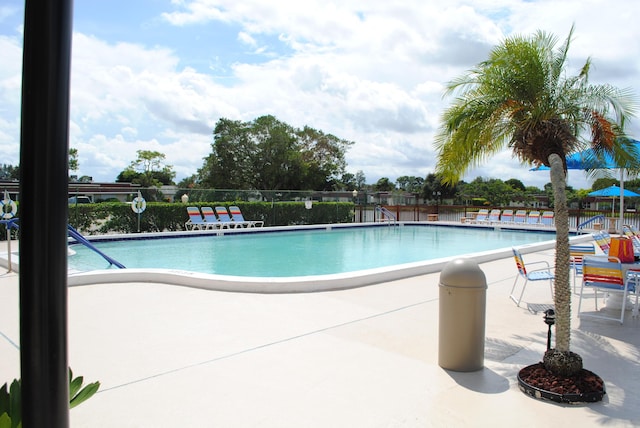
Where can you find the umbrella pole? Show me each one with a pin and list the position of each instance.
(621, 199)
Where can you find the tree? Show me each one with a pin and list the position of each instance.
(522, 98)
(432, 186)
(9, 172)
(322, 157)
(148, 170)
(267, 154)
(188, 182)
(384, 185)
(348, 182)
(73, 159)
(361, 180)
(410, 184)
(148, 161)
(493, 190)
(516, 184)
(604, 182)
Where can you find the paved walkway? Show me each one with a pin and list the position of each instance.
(170, 356)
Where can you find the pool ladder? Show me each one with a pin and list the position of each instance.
(386, 215)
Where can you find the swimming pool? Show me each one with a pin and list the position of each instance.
(301, 252)
(278, 259)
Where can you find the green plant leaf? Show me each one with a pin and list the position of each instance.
(86, 393)
(15, 409)
(5, 420)
(4, 400)
(74, 386)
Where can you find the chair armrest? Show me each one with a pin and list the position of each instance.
(548, 268)
(537, 263)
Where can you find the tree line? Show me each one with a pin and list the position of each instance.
(268, 154)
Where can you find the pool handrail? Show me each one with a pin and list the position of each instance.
(591, 220)
(386, 213)
(11, 223)
(84, 241)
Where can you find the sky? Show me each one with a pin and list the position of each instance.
(158, 74)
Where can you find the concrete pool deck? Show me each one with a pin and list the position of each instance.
(170, 356)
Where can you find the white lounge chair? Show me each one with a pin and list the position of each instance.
(236, 215)
(195, 222)
(225, 219)
(534, 218)
(211, 219)
(494, 216)
(547, 218)
(520, 217)
(506, 217)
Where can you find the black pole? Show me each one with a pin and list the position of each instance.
(549, 319)
(44, 186)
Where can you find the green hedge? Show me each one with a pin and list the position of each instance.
(104, 218)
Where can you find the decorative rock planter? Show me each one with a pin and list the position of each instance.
(535, 380)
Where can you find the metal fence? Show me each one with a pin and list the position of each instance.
(455, 213)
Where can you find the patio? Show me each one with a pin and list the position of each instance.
(366, 357)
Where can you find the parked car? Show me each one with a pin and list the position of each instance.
(79, 200)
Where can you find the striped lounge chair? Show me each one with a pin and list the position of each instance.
(547, 218)
(237, 216)
(605, 273)
(506, 217)
(534, 218)
(195, 222)
(494, 216)
(520, 217)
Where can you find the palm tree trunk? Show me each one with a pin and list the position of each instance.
(562, 286)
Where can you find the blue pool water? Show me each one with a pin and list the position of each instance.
(302, 252)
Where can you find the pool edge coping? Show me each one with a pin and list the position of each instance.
(298, 284)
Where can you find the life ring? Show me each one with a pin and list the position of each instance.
(138, 205)
(6, 215)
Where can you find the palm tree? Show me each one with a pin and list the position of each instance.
(522, 98)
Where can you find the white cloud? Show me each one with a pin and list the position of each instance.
(246, 39)
(371, 72)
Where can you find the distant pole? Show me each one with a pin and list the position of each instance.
(138, 210)
(44, 185)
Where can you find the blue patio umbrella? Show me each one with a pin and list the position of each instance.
(613, 192)
(586, 160)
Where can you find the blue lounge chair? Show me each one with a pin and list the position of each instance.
(195, 222)
(494, 216)
(506, 217)
(236, 215)
(520, 217)
(482, 216)
(211, 219)
(632, 233)
(603, 239)
(534, 218)
(225, 219)
(547, 218)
